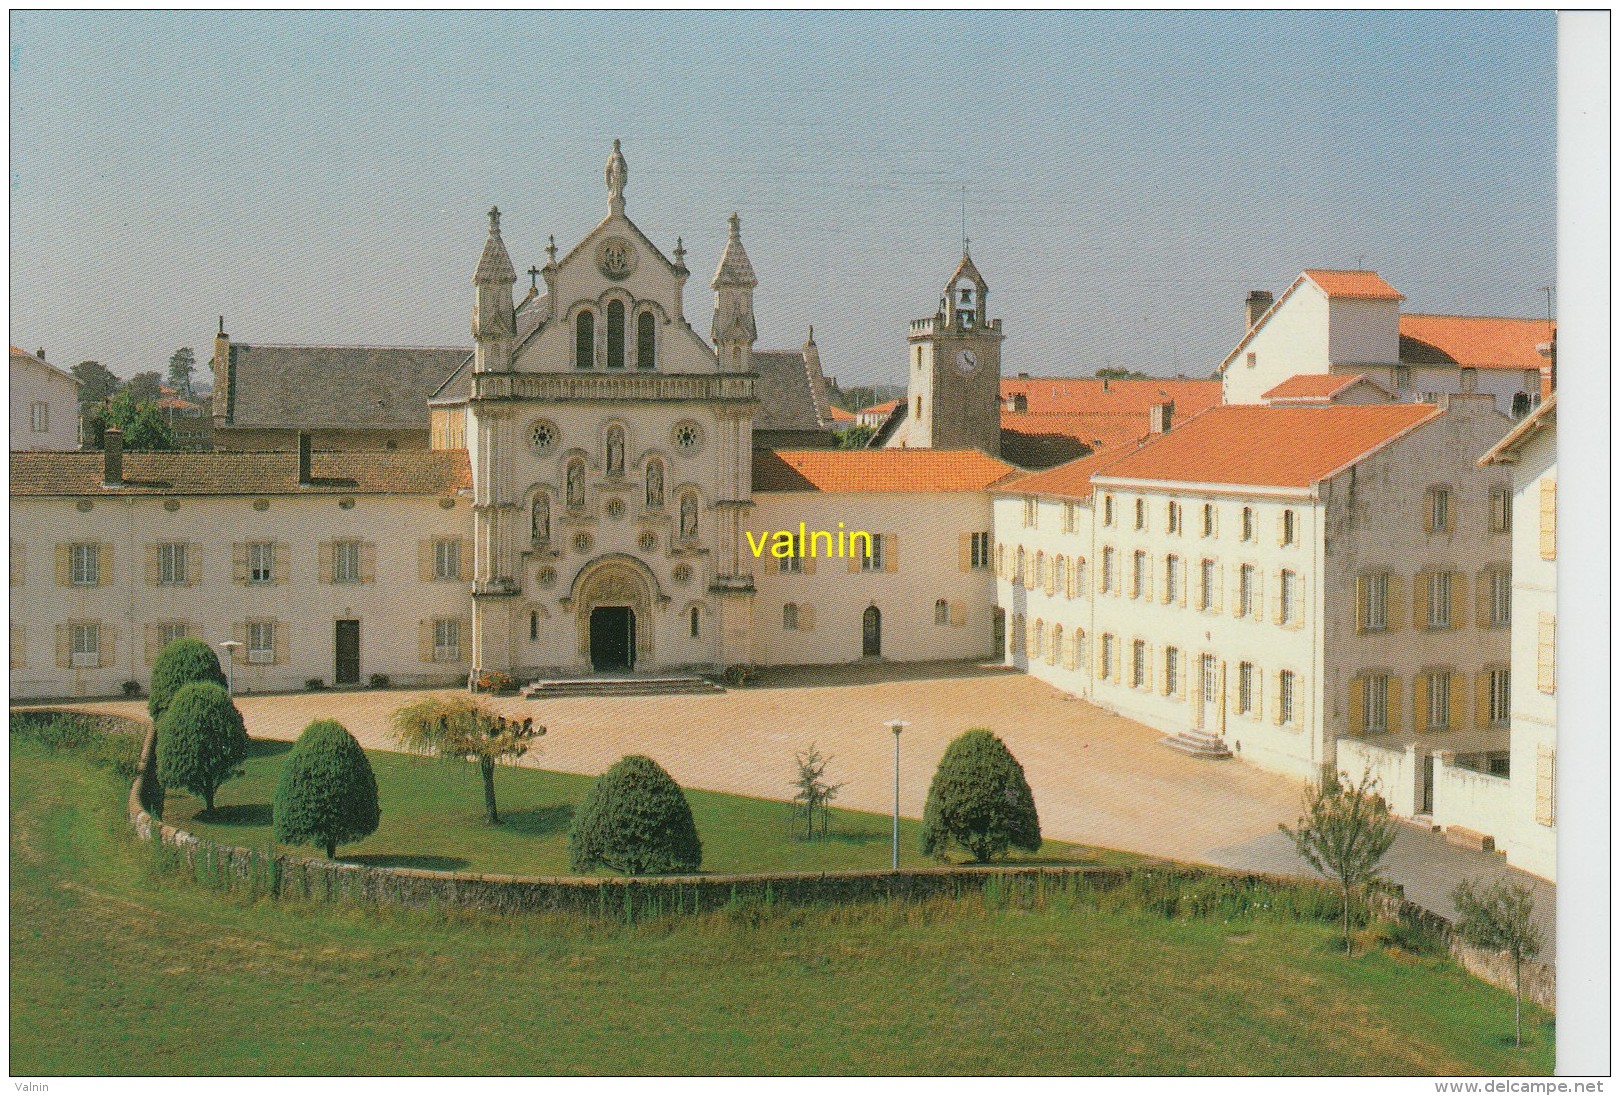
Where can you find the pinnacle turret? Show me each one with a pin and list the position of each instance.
(734, 270)
(494, 265)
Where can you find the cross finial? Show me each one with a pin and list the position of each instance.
(222, 325)
(534, 276)
(680, 252)
(551, 251)
(495, 220)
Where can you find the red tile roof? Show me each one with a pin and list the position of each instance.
(1474, 342)
(1088, 395)
(394, 472)
(1354, 283)
(1067, 481)
(840, 415)
(880, 408)
(1250, 445)
(861, 470)
(1506, 451)
(1321, 387)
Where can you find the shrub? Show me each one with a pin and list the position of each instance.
(741, 675)
(314, 684)
(634, 820)
(494, 681)
(132, 689)
(179, 664)
(201, 742)
(379, 681)
(327, 794)
(979, 801)
(54, 730)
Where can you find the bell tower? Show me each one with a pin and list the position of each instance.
(954, 371)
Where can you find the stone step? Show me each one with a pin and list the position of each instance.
(1198, 744)
(620, 686)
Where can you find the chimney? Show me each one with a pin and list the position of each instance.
(1254, 307)
(112, 458)
(304, 478)
(1159, 416)
(223, 380)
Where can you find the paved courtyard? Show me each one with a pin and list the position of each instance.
(1098, 778)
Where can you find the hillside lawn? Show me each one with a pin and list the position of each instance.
(119, 968)
(433, 817)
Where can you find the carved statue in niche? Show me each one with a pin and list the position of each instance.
(615, 451)
(540, 518)
(655, 486)
(688, 517)
(576, 485)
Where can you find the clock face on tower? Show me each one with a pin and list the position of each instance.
(966, 362)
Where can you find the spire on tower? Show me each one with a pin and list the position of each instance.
(734, 269)
(494, 265)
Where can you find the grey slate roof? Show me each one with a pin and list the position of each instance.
(337, 387)
(786, 391)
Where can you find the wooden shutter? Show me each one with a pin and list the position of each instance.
(1428, 511)
(194, 562)
(424, 640)
(891, 553)
(1394, 602)
(64, 646)
(1458, 683)
(324, 560)
(368, 562)
(1071, 653)
(958, 614)
(855, 555)
(1482, 598)
(154, 637)
(1049, 587)
(1459, 601)
(239, 563)
(464, 558)
(154, 568)
(1276, 699)
(1258, 587)
(279, 634)
(1420, 600)
(809, 566)
(1282, 527)
(1186, 580)
(19, 562)
(1392, 703)
(104, 576)
(1549, 519)
(1359, 606)
(964, 552)
(1420, 702)
(1546, 774)
(807, 618)
(107, 645)
(424, 559)
(1482, 699)
(280, 562)
(64, 564)
(1546, 652)
(1356, 717)
(239, 632)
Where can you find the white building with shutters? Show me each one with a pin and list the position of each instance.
(44, 403)
(1275, 581)
(1530, 452)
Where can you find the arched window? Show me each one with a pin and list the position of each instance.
(646, 341)
(942, 612)
(534, 624)
(615, 335)
(655, 485)
(694, 622)
(584, 340)
(790, 617)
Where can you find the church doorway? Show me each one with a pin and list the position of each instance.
(613, 638)
(871, 632)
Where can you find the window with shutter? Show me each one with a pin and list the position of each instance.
(86, 564)
(1245, 689)
(1285, 697)
(446, 640)
(346, 561)
(261, 641)
(1546, 789)
(1549, 519)
(1546, 652)
(86, 649)
(261, 563)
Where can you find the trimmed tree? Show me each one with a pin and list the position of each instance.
(179, 664)
(979, 801)
(201, 741)
(1344, 834)
(327, 794)
(635, 820)
(459, 729)
(1500, 917)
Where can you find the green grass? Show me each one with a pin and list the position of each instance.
(117, 968)
(433, 817)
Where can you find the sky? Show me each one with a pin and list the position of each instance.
(323, 177)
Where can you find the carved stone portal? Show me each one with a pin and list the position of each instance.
(615, 581)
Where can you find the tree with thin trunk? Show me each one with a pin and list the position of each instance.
(458, 728)
(1344, 834)
(814, 796)
(1500, 917)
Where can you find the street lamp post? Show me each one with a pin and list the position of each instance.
(897, 725)
(230, 647)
